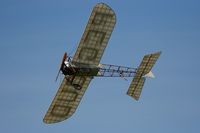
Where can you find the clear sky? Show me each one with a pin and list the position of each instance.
(34, 34)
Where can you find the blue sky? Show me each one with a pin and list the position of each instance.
(34, 34)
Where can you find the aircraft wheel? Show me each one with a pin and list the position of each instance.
(77, 86)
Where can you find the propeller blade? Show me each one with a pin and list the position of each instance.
(57, 75)
(61, 65)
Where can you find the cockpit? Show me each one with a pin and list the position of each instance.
(67, 68)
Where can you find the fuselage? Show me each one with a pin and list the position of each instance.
(77, 69)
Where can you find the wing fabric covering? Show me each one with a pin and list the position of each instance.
(145, 67)
(96, 35)
(66, 100)
(89, 52)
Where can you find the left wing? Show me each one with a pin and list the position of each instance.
(67, 99)
(96, 35)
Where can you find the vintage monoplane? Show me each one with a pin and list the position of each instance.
(85, 65)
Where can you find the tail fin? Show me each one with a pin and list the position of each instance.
(143, 71)
(149, 75)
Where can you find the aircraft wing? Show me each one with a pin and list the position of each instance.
(96, 35)
(90, 51)
(67, 99)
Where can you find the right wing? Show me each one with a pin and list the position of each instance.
(67, 99)
(145, 67)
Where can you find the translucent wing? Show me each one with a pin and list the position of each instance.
(96, 35)
(67, 99)
(90, 51)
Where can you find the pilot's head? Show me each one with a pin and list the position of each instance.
(66, 63)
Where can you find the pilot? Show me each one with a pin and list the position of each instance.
(66, 63)
(67, 69)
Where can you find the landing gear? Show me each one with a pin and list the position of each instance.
(77, 86)
(71, 79)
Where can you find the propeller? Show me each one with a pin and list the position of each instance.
(62, 63)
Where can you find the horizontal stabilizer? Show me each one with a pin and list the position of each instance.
(143, 71)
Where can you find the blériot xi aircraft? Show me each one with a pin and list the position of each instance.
(85, 65)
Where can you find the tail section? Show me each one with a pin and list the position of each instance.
(142, 72)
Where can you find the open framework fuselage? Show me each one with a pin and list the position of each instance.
(102, 70)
